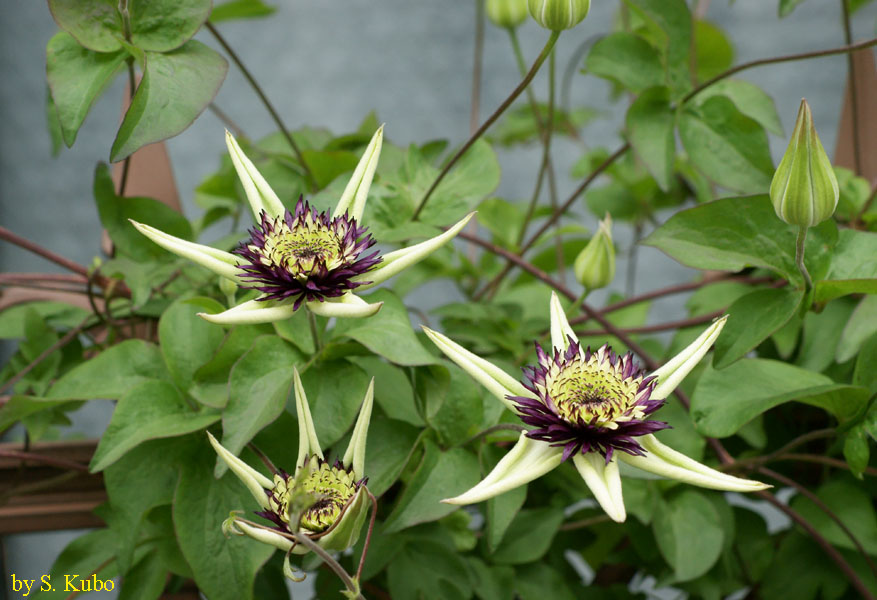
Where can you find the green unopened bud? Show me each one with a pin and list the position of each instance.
(594, 267)
(804, 189)
(507, 13)
(228, 288)
(558, 15)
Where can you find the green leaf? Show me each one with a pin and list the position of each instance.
(55, 314)
(733, 233)
(853, 269)
(393, 391)
(800, 570)
(187, 341)
(240, 9)
(787, 6)
(96, 24)
(91, 552)
(520, 126)
(163, 25)
(729, 147)
(627, 59)
(224, 568)
(335, 390)
(749, 99)
(114, 212)
(529, 536)
(501, 510)
(713, 53)
(142, 479)
(752, 319)
(821, 335)
(424, 568)
(19, 407)
(258, 386)
(146, 580)
(853, 506)
(112, 373)
(175, 88)
(210, 382)
(503, 219)
(671, 23)
(861, 325)
(387, 333)
(326, 166)
(390, 447)
(153, 409)
(77, 77)
(856, 450)
(532, 582)
(53, 124)
(650, 125)
(864, 374)
(474, 176)
(689, 534)
(725, 400)
(439, 475)
(461, 409)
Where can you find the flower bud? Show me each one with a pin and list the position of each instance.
(804, 189)
(558, 15)
(594, 267)
(507, 13)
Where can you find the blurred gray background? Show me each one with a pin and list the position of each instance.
(327, 63)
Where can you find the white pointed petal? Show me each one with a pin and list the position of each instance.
(348, 306)
(560, 329)
(355, 454)
(671, 374)
(259, 193)
(251, 312)
(255, 481)
(604, 481)
(528, 460)
(307, 436)
(663, 460)
(399, 260)
(266, 536)
(498, 382)
(356, 192)
(220, 262)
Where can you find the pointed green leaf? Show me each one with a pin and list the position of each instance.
(163, 25)
(725, 400)
(752, 319)
(628, 59)
(727, 146)
(689, 534)
(651, 123)
(175, 88)
(96, 24)
(151, 410)
(77, 77)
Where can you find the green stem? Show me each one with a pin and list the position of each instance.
(477, 63)
(368, 535)
(333, 564)
(799, 259)
(315, 333)
(267, 103)
(490, 120)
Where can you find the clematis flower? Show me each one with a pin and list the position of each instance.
(302, 257)
(593, 408)
(325, 501)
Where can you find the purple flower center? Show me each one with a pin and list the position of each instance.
(588, 401)
(306, 255)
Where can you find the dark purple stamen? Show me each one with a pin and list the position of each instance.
(277, 282)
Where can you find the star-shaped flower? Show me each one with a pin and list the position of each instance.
(327, 502)
(302, 257)
(592, 407)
